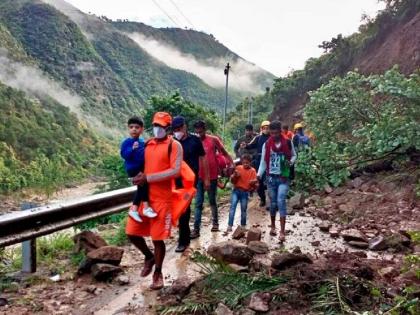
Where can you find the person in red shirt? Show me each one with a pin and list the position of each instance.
(287, 133)
(163, 159)
(244, 180)
(211, 145)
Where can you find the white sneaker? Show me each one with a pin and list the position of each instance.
(134, 214)
(149, 212)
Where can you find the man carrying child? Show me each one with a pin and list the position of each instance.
(132, 151)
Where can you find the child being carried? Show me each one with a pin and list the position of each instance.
(132, 151)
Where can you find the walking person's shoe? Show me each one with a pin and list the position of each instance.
(273, 231)
(282, 237)
(215, 228)
(148, 267)
(229, 229)
(157, 283)
(181, 248)
(195, 234)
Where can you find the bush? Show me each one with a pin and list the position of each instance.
(357, 120)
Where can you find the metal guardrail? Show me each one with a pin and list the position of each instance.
(26, 225)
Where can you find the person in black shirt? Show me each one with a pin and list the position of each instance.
(193, 153)
(257, 144)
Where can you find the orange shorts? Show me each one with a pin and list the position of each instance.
(158, 228)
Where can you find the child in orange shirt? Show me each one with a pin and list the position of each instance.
(244, 180)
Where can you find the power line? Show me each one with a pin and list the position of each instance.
(166, 13)
(180, 12)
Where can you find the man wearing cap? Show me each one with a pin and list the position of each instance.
(257, 144)
(194, 154)
(163, 158)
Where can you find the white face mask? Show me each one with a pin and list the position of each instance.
(159, 132)
(179, 134)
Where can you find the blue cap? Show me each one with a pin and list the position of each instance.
(178, 121)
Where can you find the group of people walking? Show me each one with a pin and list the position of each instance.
(157, 167)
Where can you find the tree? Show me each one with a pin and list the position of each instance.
(176, 105)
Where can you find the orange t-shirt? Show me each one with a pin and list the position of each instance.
(288, 135)
(245, 177)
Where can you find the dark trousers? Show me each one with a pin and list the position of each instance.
(262, 188)
(184, 228)
(142, 193)
(199, 201)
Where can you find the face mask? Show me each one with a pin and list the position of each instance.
(179, 135)
(159, 132)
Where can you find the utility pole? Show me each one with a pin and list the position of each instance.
(252, 110)
(227, 68)
(249, 111)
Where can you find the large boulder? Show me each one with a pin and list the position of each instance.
(297, 201)
(253, 234)
(88, 241)
(286, 260)
(353, 235)
(104, 272)
(258, 247)
(107, 255)
(231, 252)
(260, 301)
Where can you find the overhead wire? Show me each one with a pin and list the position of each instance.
(180, 12)
(166, 13)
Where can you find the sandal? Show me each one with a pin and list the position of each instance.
(273, 232)
(282, 237)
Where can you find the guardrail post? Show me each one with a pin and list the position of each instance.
(29, 247)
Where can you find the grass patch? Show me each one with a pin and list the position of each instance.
(221, 284)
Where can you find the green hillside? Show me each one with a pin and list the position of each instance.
(41, 143)
(397, 25)
(113, 74)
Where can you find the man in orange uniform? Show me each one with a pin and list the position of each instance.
(163, 158)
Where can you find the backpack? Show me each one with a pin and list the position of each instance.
(223, 164)
(301, 142)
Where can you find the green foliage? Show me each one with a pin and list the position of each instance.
(35, 150)
(222, 284)
(340, 55)
(175, 104)
(118, 236)
(357, 120)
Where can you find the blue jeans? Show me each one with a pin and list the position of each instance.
(199, 201)
(278, 189)
(242, 197)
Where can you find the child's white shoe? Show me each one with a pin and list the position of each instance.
(149, 212)
(134, 214)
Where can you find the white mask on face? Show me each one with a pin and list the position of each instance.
(159, 132)
(179, 134)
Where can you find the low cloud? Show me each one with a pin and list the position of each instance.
(32, 81)
(242, 73)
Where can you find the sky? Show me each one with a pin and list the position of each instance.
(277, 35)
